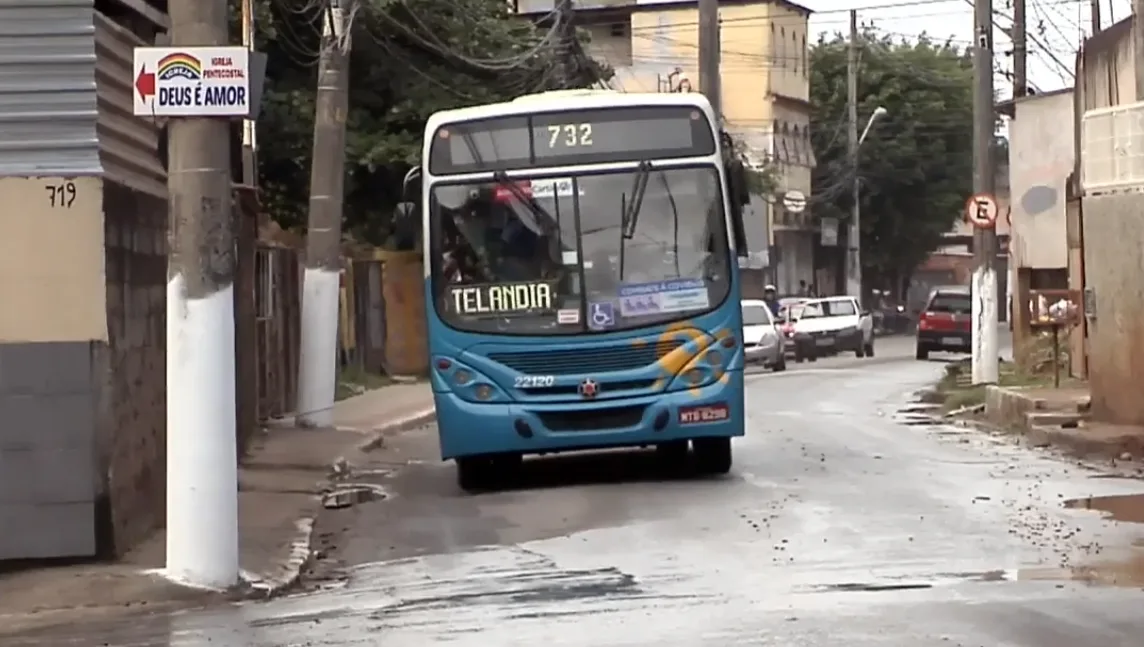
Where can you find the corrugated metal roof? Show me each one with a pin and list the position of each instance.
(47, 88)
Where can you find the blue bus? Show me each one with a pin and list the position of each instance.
(581, 279)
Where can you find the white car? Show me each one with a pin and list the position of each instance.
(835, 324)
(762, 341)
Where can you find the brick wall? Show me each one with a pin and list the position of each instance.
(130, 370)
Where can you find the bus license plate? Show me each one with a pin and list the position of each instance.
(717, 412)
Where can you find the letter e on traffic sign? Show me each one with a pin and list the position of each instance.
(981, 211)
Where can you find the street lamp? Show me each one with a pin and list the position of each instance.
(878, 112)
(854, 279)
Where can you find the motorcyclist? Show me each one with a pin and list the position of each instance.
(771, 298)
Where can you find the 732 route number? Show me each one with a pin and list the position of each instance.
(533, 381)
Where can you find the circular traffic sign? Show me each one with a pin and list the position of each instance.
(981, 211)
(794, 201)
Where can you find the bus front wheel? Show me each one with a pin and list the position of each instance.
(484, 473)
(474, 474)
(712, 455)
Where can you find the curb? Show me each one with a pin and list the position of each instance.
(1079, 444)
(377, 434)
(301, 549)
(290, 572)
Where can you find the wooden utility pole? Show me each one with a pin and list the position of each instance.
(710, 83)
(565, 14)
(202, 462)
(1138, 43)
(317, 366)
(249, 136)
(854, 231)
(984, 283)
(1020, 50)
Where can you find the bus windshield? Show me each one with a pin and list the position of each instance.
(552, 255)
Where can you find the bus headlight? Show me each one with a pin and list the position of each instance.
(714, 358)
(483, 391)
(462, 377)
(695, 376)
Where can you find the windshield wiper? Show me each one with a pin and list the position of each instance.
(537, 211)
(629, 212)
(675, 221)
(639, 187)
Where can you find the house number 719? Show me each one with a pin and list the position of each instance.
(61, 195)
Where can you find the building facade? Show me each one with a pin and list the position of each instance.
(653, 46)
(82, 283)
(1109, 225)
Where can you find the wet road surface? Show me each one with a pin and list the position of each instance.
(844, 522)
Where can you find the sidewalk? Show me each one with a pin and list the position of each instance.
(279, 483)
(1059, 418)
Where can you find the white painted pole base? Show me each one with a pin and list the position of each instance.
(202, 461)
(985, 343)
(318, 363)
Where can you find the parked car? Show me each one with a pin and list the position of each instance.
(836, 324)
(946, 322)
(762, 341)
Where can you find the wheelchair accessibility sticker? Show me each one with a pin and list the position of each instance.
(601, 314)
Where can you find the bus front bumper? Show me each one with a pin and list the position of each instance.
(470, 429)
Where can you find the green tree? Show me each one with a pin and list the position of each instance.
(915, 166)
(405, 65)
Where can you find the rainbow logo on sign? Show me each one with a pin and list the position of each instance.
(180, 66)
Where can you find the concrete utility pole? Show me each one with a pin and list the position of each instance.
(854, 236)
(202, 462)
(566, 27)
(710, 83)
(1094, 10)
(249, 136)
(984, 282)
(1020, 50)
(318, 363)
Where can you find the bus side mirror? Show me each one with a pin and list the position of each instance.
(406, 225)
(406, 216)
(741, 184)
(740, 196)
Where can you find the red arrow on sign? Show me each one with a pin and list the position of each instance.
(145, 83)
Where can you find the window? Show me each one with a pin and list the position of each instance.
(840, 308)
(619, 29)
(756, 315)
(796, 58)
(805, 70)
(951, 303)
(781, 54)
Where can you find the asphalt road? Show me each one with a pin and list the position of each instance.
(845, 522)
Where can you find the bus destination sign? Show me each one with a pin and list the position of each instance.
(571, 137)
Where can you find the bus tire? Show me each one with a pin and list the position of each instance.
(474, 473)
(712, 455)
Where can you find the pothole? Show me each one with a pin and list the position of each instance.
(348, 495)
(862, 587)
(1124, 507)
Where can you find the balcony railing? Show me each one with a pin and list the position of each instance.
(1112, 148)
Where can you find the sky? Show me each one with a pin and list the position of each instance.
(1055, 29)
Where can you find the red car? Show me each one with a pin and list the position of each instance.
(946, 322)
